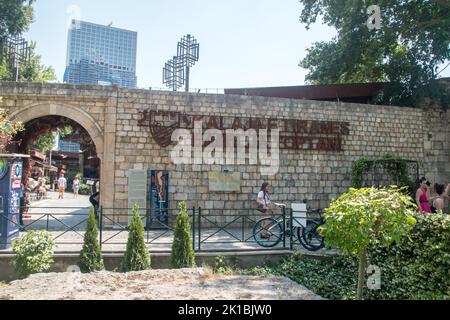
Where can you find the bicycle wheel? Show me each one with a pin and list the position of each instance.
(310, 237)
(268, 232)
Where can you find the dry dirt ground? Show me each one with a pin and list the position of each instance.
(183, 284)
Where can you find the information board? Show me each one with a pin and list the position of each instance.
(137, 191)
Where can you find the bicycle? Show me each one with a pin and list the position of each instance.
(269, 232)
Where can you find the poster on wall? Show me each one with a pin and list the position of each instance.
(159, 199)
(14, 197)
(10, 194)
(4, 190)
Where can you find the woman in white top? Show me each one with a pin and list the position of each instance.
(263, 199)
(76, 186)
(264, 204)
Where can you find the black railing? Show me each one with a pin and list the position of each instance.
(211, 229)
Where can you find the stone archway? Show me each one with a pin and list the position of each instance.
(74, 113)
(95, 131)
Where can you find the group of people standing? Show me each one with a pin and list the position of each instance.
(431, 199)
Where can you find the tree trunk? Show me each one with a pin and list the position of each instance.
(361, 274)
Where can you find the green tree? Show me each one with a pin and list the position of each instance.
(406, 52)
(16, 16)
(8, 128)
(47, 141)
(363, 218)
(183, 255)
(136, 257)
(35, 70)
(91, 259)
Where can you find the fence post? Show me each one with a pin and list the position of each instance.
(284, 228)
(199, 228)
(101, 226)
(48, 217)
(243, 228)
(147, 229)
(291, 217)
(193, 228)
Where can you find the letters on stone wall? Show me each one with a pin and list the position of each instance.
(294, 134)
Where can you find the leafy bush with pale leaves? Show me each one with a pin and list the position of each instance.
(34, 253)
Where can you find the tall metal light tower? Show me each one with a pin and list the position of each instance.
(176, 71)
(173, 73)
(188, 51)
(15, 51)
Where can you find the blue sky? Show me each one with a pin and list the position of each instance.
(243, 43)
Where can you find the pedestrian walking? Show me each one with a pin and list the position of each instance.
(62, 184)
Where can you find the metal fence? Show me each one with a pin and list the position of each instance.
(211, 229)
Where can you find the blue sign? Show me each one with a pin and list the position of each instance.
(10, 194)
(158, 199)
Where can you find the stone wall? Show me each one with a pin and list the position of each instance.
(319, 175)
(112, 116)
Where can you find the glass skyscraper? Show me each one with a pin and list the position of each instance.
(102, 55)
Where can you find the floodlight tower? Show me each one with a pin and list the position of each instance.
(173, 74)
(15, 51)
(188, 51)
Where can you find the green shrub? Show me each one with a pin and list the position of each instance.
(418, 266)
(91, 259)
(136, 257)
(183, 255)
(334, 278)
(34, 253)
(415, 268)
(84, 189)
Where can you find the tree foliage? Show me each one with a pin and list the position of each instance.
(8, 128)
(183, 255)
(36, 71)
(47, 141)
(91, 259)
(16, 16)
(363, 218)
(406, 52)
(136, 257)
(34, 253)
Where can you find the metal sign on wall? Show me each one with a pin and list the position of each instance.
(294, 134)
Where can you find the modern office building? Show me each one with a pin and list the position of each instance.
(102, 55)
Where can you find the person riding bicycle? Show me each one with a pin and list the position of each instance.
(264, 205)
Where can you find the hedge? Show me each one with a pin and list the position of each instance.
(417, 268)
